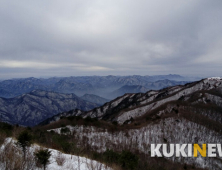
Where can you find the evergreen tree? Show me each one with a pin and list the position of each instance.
(42, 157)
(24, 141)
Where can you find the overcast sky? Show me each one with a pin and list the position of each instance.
(46, 38)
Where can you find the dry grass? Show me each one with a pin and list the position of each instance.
(60, 159)
(12, 158)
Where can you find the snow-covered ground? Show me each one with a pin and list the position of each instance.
(67, 161)
(173, 130)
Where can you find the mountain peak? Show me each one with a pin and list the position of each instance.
(214, 78)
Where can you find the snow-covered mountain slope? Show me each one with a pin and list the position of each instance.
(132, 106)
(176, 130)
(57, 161)
(38, 105)
(135, 105)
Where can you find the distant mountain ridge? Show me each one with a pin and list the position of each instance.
(97, 85)
(31, 108)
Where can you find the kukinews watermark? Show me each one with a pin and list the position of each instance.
(186, 150)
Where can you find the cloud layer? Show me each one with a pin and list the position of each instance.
(57, 38)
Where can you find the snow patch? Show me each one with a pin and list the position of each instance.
(71, 162)
(214, 78)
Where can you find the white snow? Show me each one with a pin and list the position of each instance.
(214, 78)
(71, 162)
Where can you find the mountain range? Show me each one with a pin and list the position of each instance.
(98, 85)
(31, 108)
(31, 100)
(179, 114)
(134, 105)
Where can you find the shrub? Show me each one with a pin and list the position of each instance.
(60, 159)
(115, 123)
(65, 130)
(6, 128)
(61, 143)
(62, 117)
(71, 118)
(110, 156)
(42, 157)
(88, 119)
(78, 118)
(128, 160)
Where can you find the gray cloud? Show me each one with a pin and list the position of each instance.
(57, 38)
